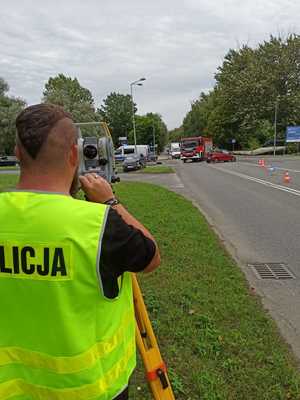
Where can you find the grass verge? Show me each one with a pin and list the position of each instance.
(156, 169)
(217, 340)
(7, 181)
(9, 168)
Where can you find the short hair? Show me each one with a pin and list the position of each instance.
(35, 123)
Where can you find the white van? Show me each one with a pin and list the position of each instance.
(175, 150)
(142, 150)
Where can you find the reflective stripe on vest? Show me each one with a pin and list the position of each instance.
(96, 390)
(60, 338)
(64, 365)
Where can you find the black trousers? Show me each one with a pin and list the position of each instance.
(123, 396)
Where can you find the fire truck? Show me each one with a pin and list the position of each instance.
(195, 148)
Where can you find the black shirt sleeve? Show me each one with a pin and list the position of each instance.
(124, 248)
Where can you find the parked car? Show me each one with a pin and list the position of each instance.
(132, 163)
(152, 156)
(220, 156)
(8, 161)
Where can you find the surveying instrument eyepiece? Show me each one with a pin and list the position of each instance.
(96, 153)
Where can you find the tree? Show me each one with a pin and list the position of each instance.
(10, 107)
(4, 88)
(195, 122)
(175, 134)
(76, 99)
(116, 110)
(251, 80)
(148, 128)
(248, 84)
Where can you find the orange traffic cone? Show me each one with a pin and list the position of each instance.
(259, 162)
(286, 177)
(263, 163)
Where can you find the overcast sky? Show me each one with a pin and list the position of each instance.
(176, 45)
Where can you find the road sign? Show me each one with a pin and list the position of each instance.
(233, 141)
(293, 134)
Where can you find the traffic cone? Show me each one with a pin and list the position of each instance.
(259, 162)
(263, 163)
(286, 177)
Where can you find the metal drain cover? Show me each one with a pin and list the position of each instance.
(277, 271)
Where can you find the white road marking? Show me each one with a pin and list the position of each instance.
(261, 181)
(270, 165)
(179, 184)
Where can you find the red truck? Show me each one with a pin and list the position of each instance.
(195, 148)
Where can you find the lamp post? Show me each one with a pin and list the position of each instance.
(153, 132)
(135, 83)
(275, 126)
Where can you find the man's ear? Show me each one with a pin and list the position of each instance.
(74, 159)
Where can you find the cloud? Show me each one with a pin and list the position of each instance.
(176, 45)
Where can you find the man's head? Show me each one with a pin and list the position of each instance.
(46, 140)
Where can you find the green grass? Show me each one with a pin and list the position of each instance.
(217, 340)
(156, 169)
(7, 181)
(214, 335)
(9, 168)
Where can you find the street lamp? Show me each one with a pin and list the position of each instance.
(153, 131)
(135, 83)
(275, 125)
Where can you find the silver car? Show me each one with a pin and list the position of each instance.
(131, 163)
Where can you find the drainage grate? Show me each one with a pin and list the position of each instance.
(277, 271)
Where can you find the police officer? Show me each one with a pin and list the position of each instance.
(67, 320)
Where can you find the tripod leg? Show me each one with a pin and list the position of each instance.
(156, 371)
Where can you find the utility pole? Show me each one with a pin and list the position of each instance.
(153, 132)
(275, 126)
(138, 83)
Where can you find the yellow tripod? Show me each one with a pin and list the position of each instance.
(156, 371)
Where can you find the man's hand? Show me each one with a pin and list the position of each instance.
(99, 190)
(96, 188)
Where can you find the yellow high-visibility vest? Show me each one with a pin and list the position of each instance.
(60, 337)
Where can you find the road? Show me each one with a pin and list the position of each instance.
(257, 215)
(9, 172)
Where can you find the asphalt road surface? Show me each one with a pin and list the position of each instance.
(9, 172)
(257, 215)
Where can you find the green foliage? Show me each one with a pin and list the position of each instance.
(248, 85)
(76, 99)
(4, 88)
(146, 127)
(195, 122)
(157, 169)
(266, 130)
(116, 110)
(174, 135)
(253, 143)
(9, 109)
(177, 384)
